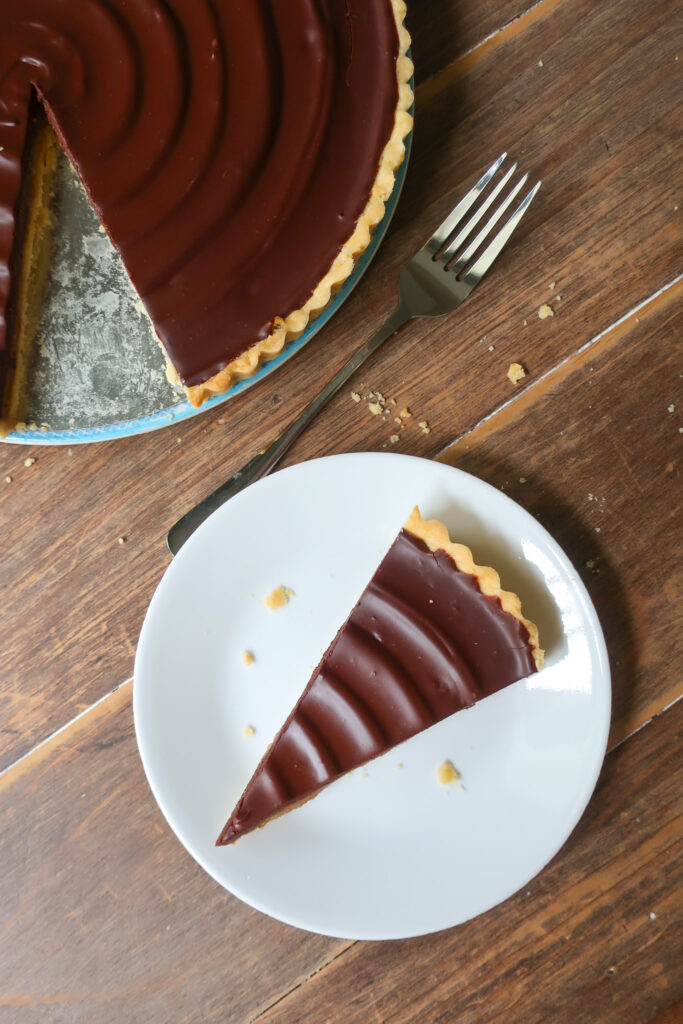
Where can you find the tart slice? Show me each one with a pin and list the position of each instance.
(432, 634)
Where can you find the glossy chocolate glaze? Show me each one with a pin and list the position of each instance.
(229, 146)
(422, 643)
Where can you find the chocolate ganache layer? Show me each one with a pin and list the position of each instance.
(422, 643)
(229, 147)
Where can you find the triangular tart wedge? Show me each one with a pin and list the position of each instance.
(432, 633)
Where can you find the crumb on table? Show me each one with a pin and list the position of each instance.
(515, 372)
(249, 731)
(248, 657)
(447, 773)
(545, 311)
(278, 597)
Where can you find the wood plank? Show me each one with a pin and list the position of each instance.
(443, 33)
(598, 121)
(615, 505)
(105, 916)
(595, 937)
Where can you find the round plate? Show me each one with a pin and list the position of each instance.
(98, 371)
(381, 853)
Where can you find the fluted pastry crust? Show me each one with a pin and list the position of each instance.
(291, 326)
(435, 535)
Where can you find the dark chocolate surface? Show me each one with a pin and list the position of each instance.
(422, 643)
(228, 146)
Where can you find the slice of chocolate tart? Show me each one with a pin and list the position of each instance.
(432, 634)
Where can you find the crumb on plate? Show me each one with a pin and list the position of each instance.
(447, 773)
(278, 598)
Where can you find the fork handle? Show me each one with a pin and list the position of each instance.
(267, 459)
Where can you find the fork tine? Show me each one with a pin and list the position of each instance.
(449, 225)
(495, 247)
(469, 252)
(464, 232)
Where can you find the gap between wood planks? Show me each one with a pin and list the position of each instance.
(620, 731)
(433, 85)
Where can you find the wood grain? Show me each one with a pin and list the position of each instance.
(443, 33)
(593, 452)
(105, 918)
(579, 945)
(597, 121)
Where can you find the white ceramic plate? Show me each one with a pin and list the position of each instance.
(383, 852)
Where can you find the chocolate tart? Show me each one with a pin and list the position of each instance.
(432, 633)
(238, 155)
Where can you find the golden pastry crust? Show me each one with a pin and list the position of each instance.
(292, 325)
(435, 535)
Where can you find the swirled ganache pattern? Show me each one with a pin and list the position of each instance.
(229, 147)
(422, 643)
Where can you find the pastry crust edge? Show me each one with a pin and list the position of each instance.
(435, 535)
(291, 326)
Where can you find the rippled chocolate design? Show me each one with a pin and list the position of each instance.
(422, 643)
(229, 146)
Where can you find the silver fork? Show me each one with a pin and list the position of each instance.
(438, 278)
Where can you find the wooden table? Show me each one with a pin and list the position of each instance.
(105, 918)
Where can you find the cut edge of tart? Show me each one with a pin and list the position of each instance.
(35, 228)
(378, 683)
(292, 325)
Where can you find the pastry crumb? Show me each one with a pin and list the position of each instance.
(545, 311)
(522, 479)
(393, 401)
(102, 230)
(249, 731)
(447, 773)
(525, 323)
(552, 285)
(515, 372)
(491, 348)
(122, 540)
(399, 765)
(405, 413)
(8, 479)
(375, 408)
(540, 63)
(248, 657)
(394, 438)
(355, 396)
(671, 408)
(29, 462)
(278, 597)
